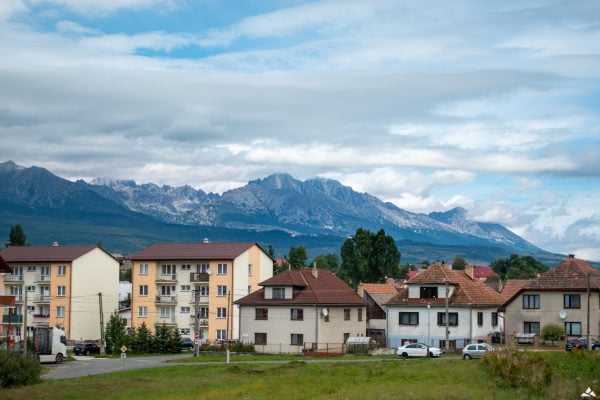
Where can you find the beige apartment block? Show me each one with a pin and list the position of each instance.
(166, 278)
(59, 286)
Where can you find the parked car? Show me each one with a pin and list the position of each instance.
(186, 343)
(86, 349)
(581, 343)
(418, 350)
(476, 350)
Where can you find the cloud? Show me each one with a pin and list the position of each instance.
(103, 7)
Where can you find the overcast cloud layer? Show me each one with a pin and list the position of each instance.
(492, 106)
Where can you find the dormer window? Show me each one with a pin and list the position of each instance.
(278, 293)
(429, 292)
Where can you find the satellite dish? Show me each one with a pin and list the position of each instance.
(208, 271)
(562, 314)
(325, 312)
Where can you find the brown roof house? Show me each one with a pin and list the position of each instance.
(559, 296)
(418, 313)
(376, 295)
(302, 309)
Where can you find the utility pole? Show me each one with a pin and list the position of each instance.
(25, 324)
(589, 344)
(196, 320)
(102, 346)
(447, 344)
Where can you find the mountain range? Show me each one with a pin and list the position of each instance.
(278, 210)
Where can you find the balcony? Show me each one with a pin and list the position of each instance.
(166, 299)
(42, 278)
(199, 277)
(202, 321)
(166, 278)
(41, 298)
(40, 319)
(166, 321)
(12, 319)
(202, 300)
(13, 278)
(18, 297)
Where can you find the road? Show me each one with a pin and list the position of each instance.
(84, 366)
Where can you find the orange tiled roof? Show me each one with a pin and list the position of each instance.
(379, 288)
(512, 286)
(466, 292)
(44, 253)
(192, 251)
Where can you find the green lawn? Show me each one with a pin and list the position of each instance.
(389, 379)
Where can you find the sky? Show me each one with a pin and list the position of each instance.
(491, 106)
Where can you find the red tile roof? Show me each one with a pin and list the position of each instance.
(379, 288)
(512, 286)
(4, 267)
(483, 273)
(326, 289)
(15, 254)
(192, 251)
(466, 292)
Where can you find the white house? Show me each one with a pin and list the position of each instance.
(418, 312)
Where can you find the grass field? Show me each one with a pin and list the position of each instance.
(388, 379)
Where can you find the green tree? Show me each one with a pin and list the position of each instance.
(552, 332)
(327, 261)
(297, 257)
(143, 339)
(115, 334)
(516, 267)
(459, 263)
(403, 270)
(17, 236)
(369, 258)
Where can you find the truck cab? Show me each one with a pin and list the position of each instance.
(50, 344)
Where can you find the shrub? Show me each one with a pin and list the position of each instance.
(240, 347)
(18, 370)
(519, 369)
(552, 332)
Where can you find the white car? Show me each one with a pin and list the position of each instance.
(418, 350)
(476, 350)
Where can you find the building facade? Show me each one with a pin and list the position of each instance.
(60, 286)
(166, 278)
(303, 309)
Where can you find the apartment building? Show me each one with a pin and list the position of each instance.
(166, 278)
(59, 286)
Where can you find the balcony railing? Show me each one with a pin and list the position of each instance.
(41, 298)
(40, 319)
(202, 300)
(166, 320)
(166, 299)
(199, 277)
(13, 319)
(13, 278)
(166, 277)
(18, 297)
(42, 278)
(202, 321)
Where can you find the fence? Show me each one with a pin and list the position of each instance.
(305, 348)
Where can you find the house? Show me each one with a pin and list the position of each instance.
(60, 286)
(568, 295)
(302, 309)
(482, 273)
(376, 295)
(167, 277)
(418, 312)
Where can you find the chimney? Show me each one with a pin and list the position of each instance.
(572, 256)
(55, 244)
(315, 271)
(470, 271)
(205, 240)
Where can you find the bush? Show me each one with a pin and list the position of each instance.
(240, 347)
(552, 332)
(17, 370)
(519, 369)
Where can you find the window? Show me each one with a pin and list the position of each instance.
(452, 319)
(186, 288)
(60, 311)
(203, 289)
(185, 310)
(494, 319)
(573, 328)
(142, 311)
(408, 318)
(143, 269)
(167, 312)
(531, 327)
(479, 319)
(31, 288)
(360, 314)
(261, 313)
(31, 309)
(429, 292)
(221, 334)
(62, 291)
(168, 290)
(143, 290)
(346, 314)
(222, 269)
(296, 339)
(249, 269)
(62, 270)
(167, 269)
(260, 338)
(278, 293)
(184, 331)
(221, 312)
(531, 301)
(31, 268)
(297, 314)
(186, 267)
(203, 312)
(572, 300)
(222, 290)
